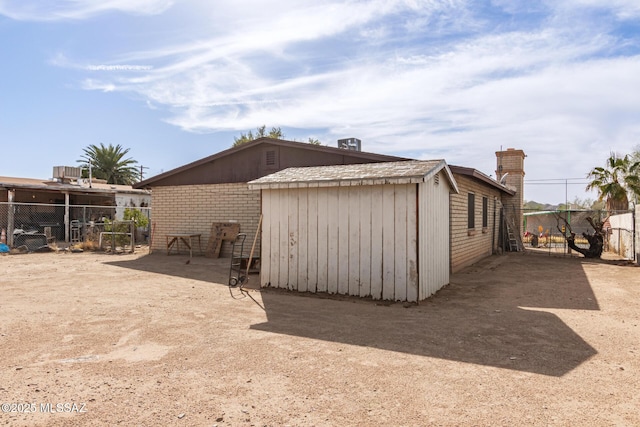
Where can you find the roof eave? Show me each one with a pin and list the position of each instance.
(374, 156)
(481, 177)
(346, 182)
(442, 166)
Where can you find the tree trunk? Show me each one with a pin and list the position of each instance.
(596, 241)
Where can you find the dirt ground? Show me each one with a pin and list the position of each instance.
(149, 340)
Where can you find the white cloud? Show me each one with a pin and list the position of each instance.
(118, 67)
(622, 9)
(425, 77)
(539, 91)
(45, 10)
(90, 84)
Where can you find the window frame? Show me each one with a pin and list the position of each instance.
(485, 212)
(471, 211)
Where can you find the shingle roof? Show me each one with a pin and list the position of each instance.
(404, 172)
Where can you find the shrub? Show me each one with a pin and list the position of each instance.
(137, 217)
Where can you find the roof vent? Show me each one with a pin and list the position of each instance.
(353, 144)
(271, 158)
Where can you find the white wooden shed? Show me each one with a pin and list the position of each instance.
(378, 230)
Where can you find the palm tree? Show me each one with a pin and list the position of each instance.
(615, 181)
(109, 163)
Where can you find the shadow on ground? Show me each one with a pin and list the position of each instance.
(212, 270)
(491, 314)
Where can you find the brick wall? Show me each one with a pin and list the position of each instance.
(471, 245)
(511, 162)
(193, 208)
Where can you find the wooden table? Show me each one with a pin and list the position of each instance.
(187, 239)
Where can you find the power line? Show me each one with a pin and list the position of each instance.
(557, 183)
(555, 179)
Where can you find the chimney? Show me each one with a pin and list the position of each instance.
(510, 172)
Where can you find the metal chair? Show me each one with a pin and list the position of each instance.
(76, 232)
(47, 233)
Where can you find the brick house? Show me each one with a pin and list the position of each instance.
(190, 198)
(475, 216)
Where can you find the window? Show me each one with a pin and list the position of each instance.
(471, 212)
(485, 212)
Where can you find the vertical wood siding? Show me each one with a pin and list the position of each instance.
(323, 239)
(388, 242)
(303, 242)
(359, 240)
(355, 222)
(376, 242)
(283, 238)
(265, 264)
(434, 236)
(333, 220)
(411, 258)
(313, 241)
(365, 202)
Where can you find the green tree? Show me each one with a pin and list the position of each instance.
(314, 141)
(109, 162)
(136, 215)
(577, 203)
(533, 206)
(261, 132)
(616, 181)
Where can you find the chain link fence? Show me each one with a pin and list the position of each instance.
(545, 230)
(35, 225)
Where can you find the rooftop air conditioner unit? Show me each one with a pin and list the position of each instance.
(66, 172)
(350, 144)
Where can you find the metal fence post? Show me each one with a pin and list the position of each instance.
(67, 222)
(10, 217)
(636, 239)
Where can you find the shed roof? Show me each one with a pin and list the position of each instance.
(404, 172)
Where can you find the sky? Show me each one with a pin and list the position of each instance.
(176, 80)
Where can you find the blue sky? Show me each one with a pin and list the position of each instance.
(175, 81)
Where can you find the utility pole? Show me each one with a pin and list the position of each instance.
(142, 171)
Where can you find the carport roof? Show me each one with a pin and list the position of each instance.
(404, 172)
(8, 182)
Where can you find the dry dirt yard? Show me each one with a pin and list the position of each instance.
(149, 340)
